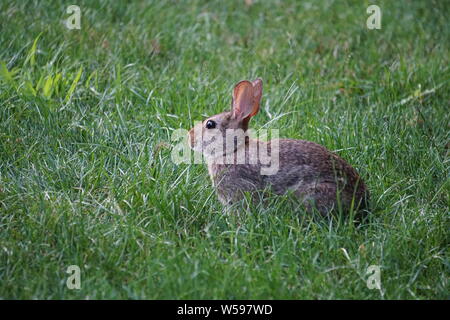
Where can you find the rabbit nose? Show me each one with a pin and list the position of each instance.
(191, 137)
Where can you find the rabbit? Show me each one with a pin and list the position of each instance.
(318, 178)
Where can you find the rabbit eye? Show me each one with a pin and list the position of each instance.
(210, 124)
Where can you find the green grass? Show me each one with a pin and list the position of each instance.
(86, 176)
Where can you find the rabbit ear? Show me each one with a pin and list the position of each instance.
(243, 100)
(257, 93)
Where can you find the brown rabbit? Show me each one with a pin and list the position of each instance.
(319, 178)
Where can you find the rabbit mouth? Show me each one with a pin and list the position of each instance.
(194, 144)
(191, 140)
(201, 143)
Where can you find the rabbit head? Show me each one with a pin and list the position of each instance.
(211, 135)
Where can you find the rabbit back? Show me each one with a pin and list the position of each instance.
(319, 178)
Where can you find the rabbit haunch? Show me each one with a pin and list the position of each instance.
(319, 178)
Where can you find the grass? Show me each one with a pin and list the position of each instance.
(86, 176)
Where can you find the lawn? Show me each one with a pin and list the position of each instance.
(87, 179)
